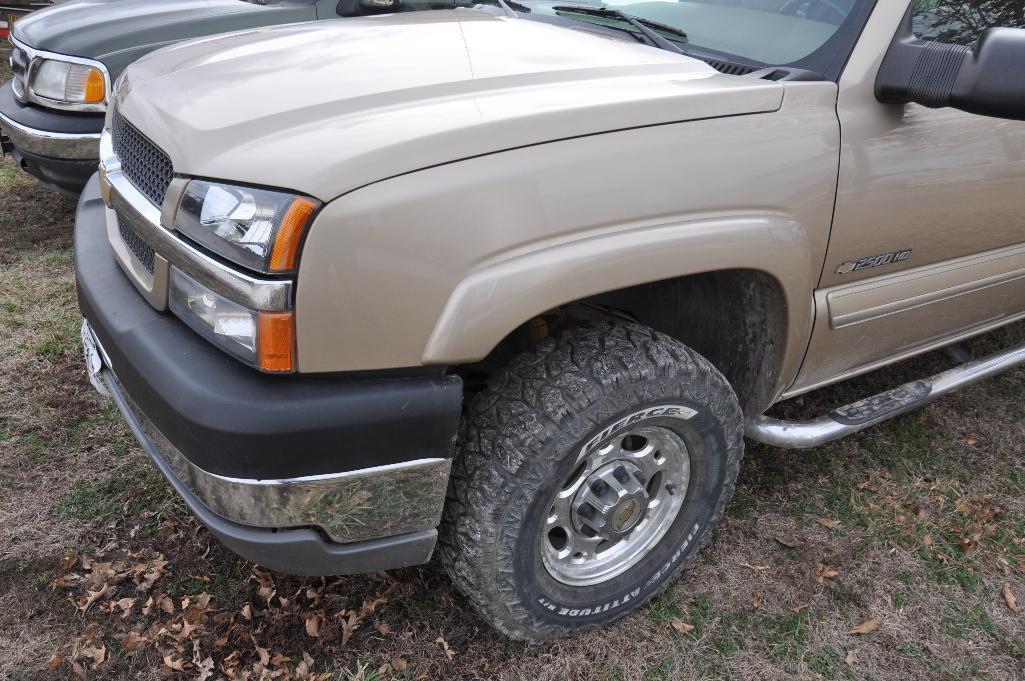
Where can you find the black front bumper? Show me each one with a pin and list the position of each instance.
(232, 421)
(48, 143)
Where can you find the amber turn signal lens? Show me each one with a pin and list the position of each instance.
(94, 87)
(290, 234)
(275, 342)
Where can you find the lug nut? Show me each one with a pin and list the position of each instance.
(599, 487)
(588, 531)
(640, 478)
(586, 511)
(620, 473)
(671, 489)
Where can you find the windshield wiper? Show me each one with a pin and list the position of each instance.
(641, 24)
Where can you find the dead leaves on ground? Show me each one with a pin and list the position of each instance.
(195, 634)
(1009, 598)
(866, 627)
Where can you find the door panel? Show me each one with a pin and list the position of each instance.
(946, 185)
(912, 311)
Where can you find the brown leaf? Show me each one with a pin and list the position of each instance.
(383, 628)
(756, 600)
(866, 627)
(852, 657)
(247, 612)
(264, 655)
(931, 647)
(313, 625)
(68, 561)
(124, 604)
(206, 669)
(1009, 598)
(927, 541)
(78, 669)
(132, 640)
(93, 596)
(449, 652)
(967, 440)
(682, 627)
(800, 608)
(755, 568)
(823, 572)
(56, 660)
(98, 653)
(398, 664)
(177, 665)
(829, 522)
(789, 542)
(166, 604)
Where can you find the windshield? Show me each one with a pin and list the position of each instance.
(766, 32)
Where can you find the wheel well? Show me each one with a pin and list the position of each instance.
(734, 318)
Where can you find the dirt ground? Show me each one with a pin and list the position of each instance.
(896, 554)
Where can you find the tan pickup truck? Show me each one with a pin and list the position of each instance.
(517, 280)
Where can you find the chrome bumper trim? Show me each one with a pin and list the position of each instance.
(65, 146)
(131, 205)
(348, 506)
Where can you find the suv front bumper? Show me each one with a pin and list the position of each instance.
(60, 148)
(321, 475)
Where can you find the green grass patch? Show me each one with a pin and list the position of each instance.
(123, 494)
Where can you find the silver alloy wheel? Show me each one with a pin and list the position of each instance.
(620, 500)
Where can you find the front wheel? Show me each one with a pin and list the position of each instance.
(588, 474)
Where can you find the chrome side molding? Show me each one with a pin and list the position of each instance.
(860, 415)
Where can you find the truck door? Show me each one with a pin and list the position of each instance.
(928, 237)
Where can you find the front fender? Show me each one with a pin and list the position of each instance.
(495, 299)
(437, 266)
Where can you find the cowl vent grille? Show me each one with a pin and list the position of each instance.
(729, 68)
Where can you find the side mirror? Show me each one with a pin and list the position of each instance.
(987, 79)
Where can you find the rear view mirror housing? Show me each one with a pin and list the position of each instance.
(987, 79)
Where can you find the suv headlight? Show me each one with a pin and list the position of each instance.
(74, 85)
(259, 229)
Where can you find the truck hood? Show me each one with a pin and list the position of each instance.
(117, 32)
(328, 107)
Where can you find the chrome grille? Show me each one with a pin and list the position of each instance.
(139, 248)
(19, 67)
(142, 162)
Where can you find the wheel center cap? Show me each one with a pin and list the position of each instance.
(626, 515)
(611, 502)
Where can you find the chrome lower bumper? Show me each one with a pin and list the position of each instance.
(59, 145)
(347, 506)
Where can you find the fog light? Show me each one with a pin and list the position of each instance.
(261, 339)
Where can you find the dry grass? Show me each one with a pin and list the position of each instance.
(930, 513)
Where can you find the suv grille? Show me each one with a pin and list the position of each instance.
(137, 246)
(142, 162)
(19, 67)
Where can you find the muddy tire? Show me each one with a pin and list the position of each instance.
(587, 475)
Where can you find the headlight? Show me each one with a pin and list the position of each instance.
(265, 340)
(67, 82)
(256, 228)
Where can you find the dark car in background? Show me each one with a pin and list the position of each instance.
(66, 58)
(13, 10)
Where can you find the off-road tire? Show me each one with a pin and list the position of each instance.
(518, 442)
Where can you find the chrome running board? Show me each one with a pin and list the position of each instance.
(878, 408)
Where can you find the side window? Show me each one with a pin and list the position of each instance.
(961, 21)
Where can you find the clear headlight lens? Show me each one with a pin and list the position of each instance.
(261, 339)
(256, 228)
(67, 82)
